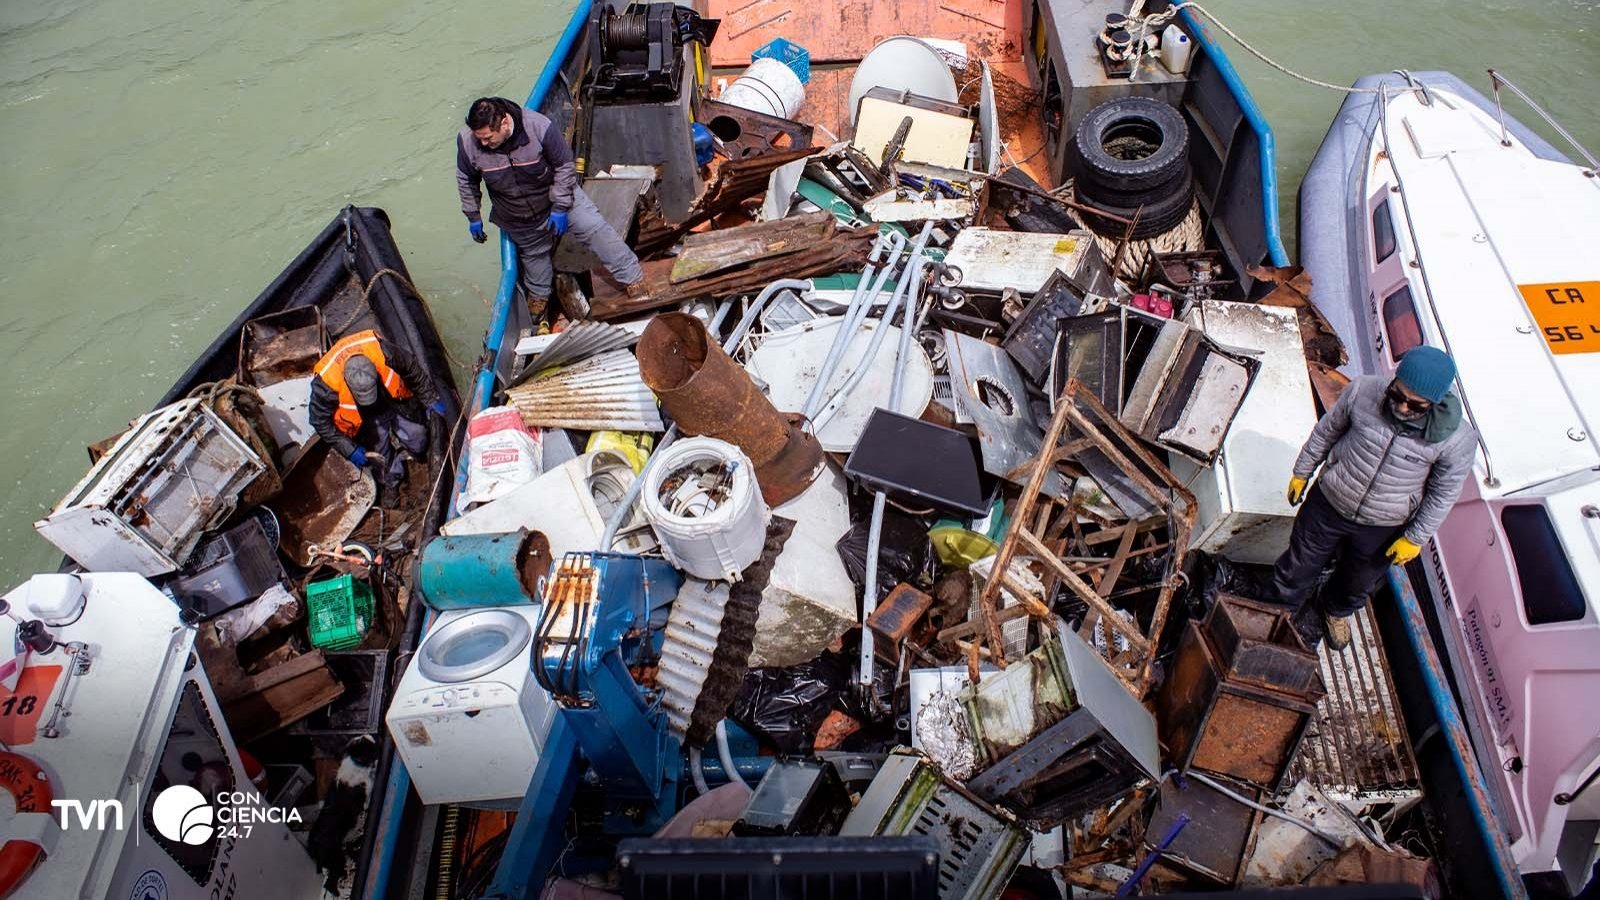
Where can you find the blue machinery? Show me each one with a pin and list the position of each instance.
(604, 618)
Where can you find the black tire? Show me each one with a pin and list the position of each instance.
(1149, 144)
(1103, 196)
(1154, 218)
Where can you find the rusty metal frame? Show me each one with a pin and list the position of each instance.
(1031, 533)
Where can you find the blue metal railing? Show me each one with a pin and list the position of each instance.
(1474, 786)
(398, 788)
(1257, 120)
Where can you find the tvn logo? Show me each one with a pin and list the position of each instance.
(89, 815)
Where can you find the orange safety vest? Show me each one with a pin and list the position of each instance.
(347, 418)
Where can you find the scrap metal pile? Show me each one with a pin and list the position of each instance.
(950, 468)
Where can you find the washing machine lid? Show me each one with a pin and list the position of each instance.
(473, 645)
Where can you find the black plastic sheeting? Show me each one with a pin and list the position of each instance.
(785, 706)
(905, 554)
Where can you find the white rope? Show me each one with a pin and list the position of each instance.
(1187, 236)
(1158, 20)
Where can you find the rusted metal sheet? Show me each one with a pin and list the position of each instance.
(735, 181)
(707, 393)
(893, 619)
(1211, 722)
(281, 346)
(324, 498)
(1213, 846)
(745, 133)
(1356, 747)
(845, 32)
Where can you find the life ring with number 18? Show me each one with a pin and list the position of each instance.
(30, 789)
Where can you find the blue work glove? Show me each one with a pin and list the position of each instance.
(476, 230)
(359, 457)
(437, 407)
(558, 222)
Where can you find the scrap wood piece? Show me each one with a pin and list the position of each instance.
(257, 705)
(841, 249)
(714, 251)
(1079, 409)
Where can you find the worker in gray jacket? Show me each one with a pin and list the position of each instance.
(533, 183)
(1393, 455)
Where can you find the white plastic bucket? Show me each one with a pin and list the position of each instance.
(714, 540)
(768, 86)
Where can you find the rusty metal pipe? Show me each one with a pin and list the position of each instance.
(707, 393)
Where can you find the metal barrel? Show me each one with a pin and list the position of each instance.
(471, 570)
(707, 393)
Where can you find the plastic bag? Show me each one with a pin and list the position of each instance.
(785, 707)
(503, 454)
(903, 552)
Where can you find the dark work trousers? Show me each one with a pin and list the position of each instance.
(1321, 535)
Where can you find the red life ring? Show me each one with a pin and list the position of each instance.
(30, 789)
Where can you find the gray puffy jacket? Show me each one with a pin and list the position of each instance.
(1378, 472)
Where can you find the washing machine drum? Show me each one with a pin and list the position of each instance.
(473, 645)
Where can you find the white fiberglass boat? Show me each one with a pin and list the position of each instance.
(1431, 216)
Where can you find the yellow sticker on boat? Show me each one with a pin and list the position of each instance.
(1568, 313)
(1065, 246)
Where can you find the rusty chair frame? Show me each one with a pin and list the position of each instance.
(1040, 525)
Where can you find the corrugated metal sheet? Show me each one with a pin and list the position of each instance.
(1356, 748)
(578, 342)
(691, 641)
(602, 392)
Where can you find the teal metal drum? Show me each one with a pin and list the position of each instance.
(472, 570)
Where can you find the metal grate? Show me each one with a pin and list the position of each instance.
(1356, 749)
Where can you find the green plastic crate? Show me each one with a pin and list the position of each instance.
(339, 611)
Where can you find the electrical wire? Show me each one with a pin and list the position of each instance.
(726, 755)
(1275, 813)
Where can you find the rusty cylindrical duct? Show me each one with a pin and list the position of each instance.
(707, 393)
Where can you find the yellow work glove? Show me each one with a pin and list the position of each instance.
(1402, 551)
(1297, 490)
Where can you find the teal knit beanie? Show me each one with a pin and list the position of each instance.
(1427, 372)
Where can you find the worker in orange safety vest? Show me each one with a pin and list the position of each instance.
(362, 406)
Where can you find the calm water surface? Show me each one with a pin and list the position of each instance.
(165, 159)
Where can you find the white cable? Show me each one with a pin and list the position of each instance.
(696, 773)
(726, 755)
(1276, 813)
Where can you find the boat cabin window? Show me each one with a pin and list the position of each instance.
(193, 755)
(1550, 591)
(1383, 245)
(1400, 322)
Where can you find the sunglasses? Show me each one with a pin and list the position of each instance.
(1398, 397)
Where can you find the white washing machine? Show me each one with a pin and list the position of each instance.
(468, 717)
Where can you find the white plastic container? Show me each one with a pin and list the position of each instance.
(1176, 49)
(768, 86)
(710, 538)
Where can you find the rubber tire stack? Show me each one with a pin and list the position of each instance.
(1158, 187)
